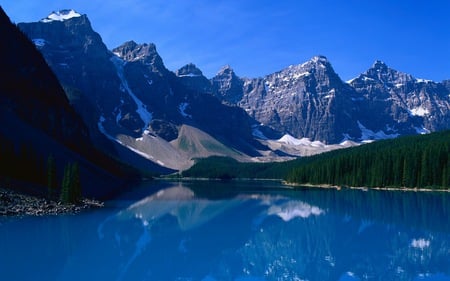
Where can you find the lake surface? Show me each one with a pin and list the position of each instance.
(236, 231)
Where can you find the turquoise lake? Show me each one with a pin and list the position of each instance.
(248, 230)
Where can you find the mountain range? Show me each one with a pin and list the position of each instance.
(162, 120)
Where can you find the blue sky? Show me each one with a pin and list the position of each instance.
(258, 37)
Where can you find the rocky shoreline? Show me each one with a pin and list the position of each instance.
(17, 204)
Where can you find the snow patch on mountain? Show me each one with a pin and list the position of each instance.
(288, 139)
(39, 42)
(61, 16)
(422, 131)
(102, 129)
(368, 135)
(141, 110)
(118, 116)
(182, 108)
(149, 81)
(300, 75)
(190, 75)
(351, 80)
(419, 111)
(418, 80)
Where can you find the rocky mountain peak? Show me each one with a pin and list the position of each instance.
(318, 68)
(61, 29)
(378, 64)
(316, 62)
(189, 70)
(226, 77)
(320, 59)
(132, 51)
(145, 54)
(227, 85)
(381, 73)
(61, 15)
(226, 70)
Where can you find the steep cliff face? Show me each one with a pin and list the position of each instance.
(176, 99)
(311, 101)
(193, 79)
(397, 102)
(227, 85)
(307, 100)
(83, 64)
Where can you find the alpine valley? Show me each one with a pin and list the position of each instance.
(82, 123)
(161, 120)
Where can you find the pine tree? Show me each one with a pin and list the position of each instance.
(65, 186)
(52, 183)
(75, 184)
(71, 185)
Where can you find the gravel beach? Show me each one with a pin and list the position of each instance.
(16, 204)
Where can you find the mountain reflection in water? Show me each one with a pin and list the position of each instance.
(249, 231)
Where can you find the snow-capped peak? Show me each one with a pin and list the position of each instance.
(61, 15)
(315, 62)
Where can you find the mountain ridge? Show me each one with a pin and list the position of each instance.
(143, 99)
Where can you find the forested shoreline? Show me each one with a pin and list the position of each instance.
(420, 161)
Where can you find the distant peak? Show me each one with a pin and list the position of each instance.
(379, 64)
(61, 15)
(226, 69)
(189, 70)
(321, 59)
(132, 51)
(381, 72)
(315, 61)
(130, 44)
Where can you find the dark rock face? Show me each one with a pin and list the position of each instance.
(31, 92)
(189, 70)
(128, 91)
(192, 78)
(83, 64)
(38, 122)
(179, 98)
(227, 85)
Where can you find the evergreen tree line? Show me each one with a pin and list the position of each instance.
(412, 161)
(415, 161)
(24, 164)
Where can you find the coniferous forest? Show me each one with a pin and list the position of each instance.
(414, 161)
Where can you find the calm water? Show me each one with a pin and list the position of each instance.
(236, 231)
